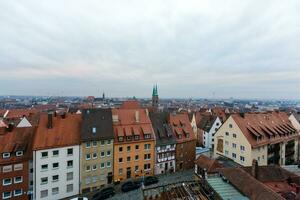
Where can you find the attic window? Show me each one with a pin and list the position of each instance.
(230, 125)
(6, 155)
(94, 130)
(147, 136)
(19, 153)
(120, 139)
(136, 137)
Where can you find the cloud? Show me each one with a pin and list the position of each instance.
(190, 48)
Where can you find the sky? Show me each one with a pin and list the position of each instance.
(191, 49)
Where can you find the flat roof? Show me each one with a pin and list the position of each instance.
(225, 190)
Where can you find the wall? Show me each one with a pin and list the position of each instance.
(185, 155)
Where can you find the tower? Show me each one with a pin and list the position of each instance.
(155, 98)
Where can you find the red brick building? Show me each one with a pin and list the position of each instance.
(16, 153)
(186, 141)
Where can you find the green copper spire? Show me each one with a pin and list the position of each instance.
(154, 91)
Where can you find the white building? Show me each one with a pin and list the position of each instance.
(209, 130)
(56, 157)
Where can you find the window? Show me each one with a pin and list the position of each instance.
(94, 143)
(70, 188)
(136, 137)
(258, 158)
(44, 154)
(242, 148)
(227, 134)
(18, 192)
(102, 165)
(94, 167)
(69, 176)
(94, 130)
(8, 168)
(102, 153)
(55, 165)
(147, 146)
(128, 159)
(18, 179)
(6, 195)
(233, 145)
(44, 193)
(6, 155)
(147, 136)
(55, 178)
(70, 163)
(263, 157)
(242, 158)
(94, 155)
(226, 142)
(147, 156)
(226, 152)
(108, 164)
(95, 179)
(55, 153)
(230, 125)
(87, 181)
(44, 180)
(87, 145)
(137, 147)
(234, 135)
(55, 190)
(17, 167)
(108, 141)
(120, 149)
(44, 167)
(102, 142)
(128, 148)
(108, 153)
(120, 139)
(136, 168)
(88, 168)
(217, 124)
(147, 167)
(19, 153)
(120, 171)
(120, 160)
(129, 138)
(136, 157)
(87, 156)
(233, 155)
(70, 152)
(6, 181)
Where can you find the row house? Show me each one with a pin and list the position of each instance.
(185, 141)
(96, 152)
(134, 142)
(56, 156)
(269, 138)
(16, 154)
(165, 147)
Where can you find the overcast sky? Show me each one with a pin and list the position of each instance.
(201, 48)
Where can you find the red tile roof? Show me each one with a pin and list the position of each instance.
(18, 113)
(264, 128)
(132, 104)
(180, 124)
(65, 132)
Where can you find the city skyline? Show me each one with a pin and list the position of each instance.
(199, 49)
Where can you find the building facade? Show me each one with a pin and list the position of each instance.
(269, 138)
(134, 142)
(185, 141)
(165, 146)
(96, 157)
(56, 157)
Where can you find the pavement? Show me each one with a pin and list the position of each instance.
(163, 180)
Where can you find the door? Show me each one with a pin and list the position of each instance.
(128, 172)
(166, 167)
(109, 178)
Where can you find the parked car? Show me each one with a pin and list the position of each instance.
(80, 198)
(130, 185)
(149, 180)
(104, 193)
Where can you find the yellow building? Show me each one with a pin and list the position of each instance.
(270, 138)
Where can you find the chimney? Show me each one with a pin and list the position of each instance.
(50, 124)
(147, 112)
(137, 116)
(254, 168)
(63, 115)
(10, 127)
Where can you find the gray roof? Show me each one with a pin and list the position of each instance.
(163, 131)
(98, 119)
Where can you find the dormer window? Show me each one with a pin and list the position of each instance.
(19, 153)
(94, 130)
(147, 136)
(120, 139)
(6, 155)
(136, 137)
(187, 135)
(179, 136)
(129, 138)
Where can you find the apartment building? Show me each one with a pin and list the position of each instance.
(16, 153)
(269, 138)
(208, 126)
(165, 146)
(185, 141)
(134, 142)
(96, 151)
(56, 156)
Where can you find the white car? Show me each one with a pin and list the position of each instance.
(80, 198)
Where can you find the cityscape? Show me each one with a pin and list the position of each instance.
(149, 100)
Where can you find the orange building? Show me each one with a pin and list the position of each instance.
(134, 142)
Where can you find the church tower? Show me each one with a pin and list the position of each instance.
(155, 98)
